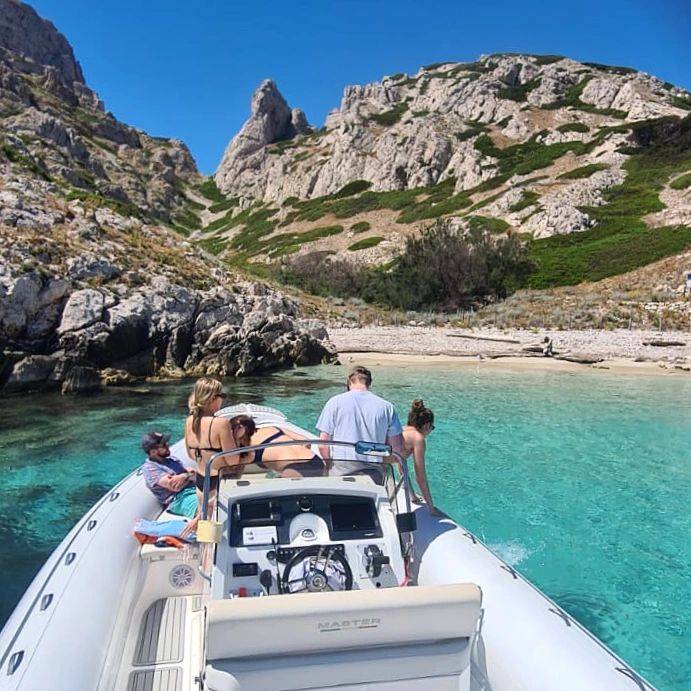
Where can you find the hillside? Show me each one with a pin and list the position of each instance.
(98, 284)
(590, 163)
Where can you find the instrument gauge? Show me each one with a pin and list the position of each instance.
(305, 504)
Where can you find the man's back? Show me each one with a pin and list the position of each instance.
(357, 415)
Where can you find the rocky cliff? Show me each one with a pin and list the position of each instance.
(534, 144)
(97, 281)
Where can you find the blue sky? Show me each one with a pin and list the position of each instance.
(188, 69)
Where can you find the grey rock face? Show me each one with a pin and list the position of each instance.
(414, 131)
(137, 332)
(271, 120)
(23, 31)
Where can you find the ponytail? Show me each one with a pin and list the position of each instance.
(419, 415)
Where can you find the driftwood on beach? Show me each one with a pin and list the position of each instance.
(473, 337)
(664, 344)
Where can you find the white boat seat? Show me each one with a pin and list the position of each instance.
(314, 622)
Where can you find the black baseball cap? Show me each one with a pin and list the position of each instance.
(153, 439)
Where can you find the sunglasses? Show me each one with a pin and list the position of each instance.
(222, 396)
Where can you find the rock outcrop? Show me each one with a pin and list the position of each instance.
(55, 127)
(271, 120)
(56, 336)
(98, 286)
(534, 141)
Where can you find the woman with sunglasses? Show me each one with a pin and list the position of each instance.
(206, 435)
(415, 433)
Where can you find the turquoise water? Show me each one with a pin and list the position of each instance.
(581, 481)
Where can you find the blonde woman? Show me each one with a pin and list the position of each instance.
(206, 435)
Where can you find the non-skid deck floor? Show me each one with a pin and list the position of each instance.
(164, 654)
(161, 634)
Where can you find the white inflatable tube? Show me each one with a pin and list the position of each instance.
(526, 641)
(58, 635)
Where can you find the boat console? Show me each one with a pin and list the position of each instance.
(312, 540)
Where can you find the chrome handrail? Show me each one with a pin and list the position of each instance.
(301, 442)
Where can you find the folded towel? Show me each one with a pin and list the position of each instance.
(163, 529)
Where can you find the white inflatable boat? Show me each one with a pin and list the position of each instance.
(302, 583)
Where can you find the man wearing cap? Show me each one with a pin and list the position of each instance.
(357, 415)
(168, 478)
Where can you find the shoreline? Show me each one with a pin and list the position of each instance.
(625, 352)
(507, 364)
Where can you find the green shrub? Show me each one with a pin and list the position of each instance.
(683, 182)
(209, 189)
(573, 127)
(613, 69)
(226, 204)
(360, 227)
(474, 128)
(682, 101)
(520, 92)
(388, 117)
(583, 172)
(279, 244)
(547, 59)
(488, 224)
(188, 219)
(354, 187)
(365, 243)
(528, 199)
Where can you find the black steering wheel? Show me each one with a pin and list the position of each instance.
(317, 569)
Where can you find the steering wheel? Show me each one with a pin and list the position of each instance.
(317, 569)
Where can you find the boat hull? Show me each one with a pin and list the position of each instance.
(59, 635)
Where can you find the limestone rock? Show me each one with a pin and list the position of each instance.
(83, 308)
(23, 31)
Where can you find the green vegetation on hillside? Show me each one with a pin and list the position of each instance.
(528, 199)
(439, 270)
(521, 159)
(488, 224)
(572, 98)
(573, 127)
(209, 189)
(360, 227)
(520, 92)
(365, 243)
(683, 182)
(621, 241)
(388, 117)
(583, 172)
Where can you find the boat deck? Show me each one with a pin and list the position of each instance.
(165, 653)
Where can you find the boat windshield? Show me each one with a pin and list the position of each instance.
(361, 462)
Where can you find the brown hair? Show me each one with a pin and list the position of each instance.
(419, 416)
(361, 375)
(246, 422)
(199, 402)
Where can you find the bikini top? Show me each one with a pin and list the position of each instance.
(259, 454)
(199, 449)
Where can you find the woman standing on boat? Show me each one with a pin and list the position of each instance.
(415, 433)
(206, 435)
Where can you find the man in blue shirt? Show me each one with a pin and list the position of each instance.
(168, 478)
(357, 415)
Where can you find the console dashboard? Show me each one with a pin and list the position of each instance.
(318, 541)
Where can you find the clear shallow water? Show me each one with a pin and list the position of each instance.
(581, 481)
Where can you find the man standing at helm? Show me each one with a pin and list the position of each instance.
(357, 415)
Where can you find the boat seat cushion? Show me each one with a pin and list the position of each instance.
(312, 622)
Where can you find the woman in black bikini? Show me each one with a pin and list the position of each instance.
(206, 435)
(289, 461)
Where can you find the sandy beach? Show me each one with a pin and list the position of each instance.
(622, 351)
